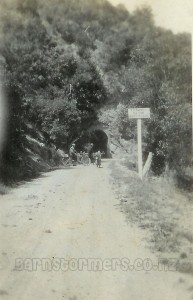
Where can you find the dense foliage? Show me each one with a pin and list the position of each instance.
(63, 60)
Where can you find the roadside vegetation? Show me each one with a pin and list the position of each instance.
(162, 211)
(68, 63)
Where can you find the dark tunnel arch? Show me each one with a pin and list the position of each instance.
(98, 138)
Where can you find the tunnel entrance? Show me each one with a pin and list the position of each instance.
(100, 141)
(98, 138)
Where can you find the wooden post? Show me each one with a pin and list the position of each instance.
(139, 114)
(147, 164)
(139, 139)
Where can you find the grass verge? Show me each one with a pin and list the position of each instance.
(159, 208)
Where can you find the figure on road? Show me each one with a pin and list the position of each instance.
(73, 154)
(98, 159)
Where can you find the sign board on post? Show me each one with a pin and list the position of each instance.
(139, 113)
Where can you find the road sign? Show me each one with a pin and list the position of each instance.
(139, 113)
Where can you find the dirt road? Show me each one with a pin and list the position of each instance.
(66, 218)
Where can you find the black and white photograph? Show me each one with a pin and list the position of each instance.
(96, 150)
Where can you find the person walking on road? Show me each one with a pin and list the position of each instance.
(73, 154)
(98, 159)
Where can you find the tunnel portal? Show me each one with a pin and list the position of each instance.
(98, 138)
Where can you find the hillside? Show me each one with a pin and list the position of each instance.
(67, 64)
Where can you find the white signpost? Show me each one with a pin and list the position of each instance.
(139, 113)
